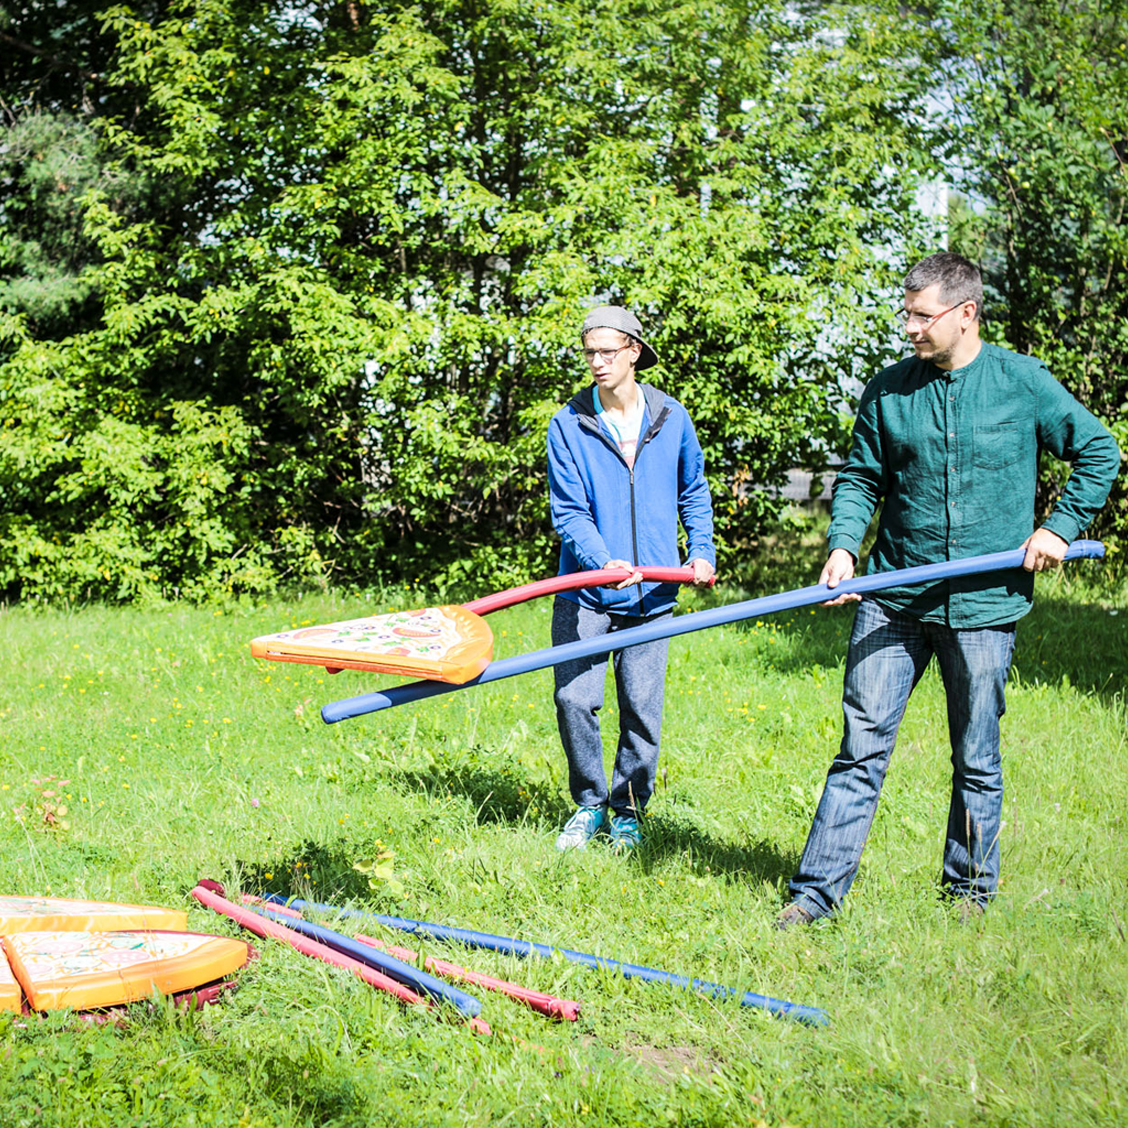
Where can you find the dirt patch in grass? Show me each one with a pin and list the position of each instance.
(668, 1063)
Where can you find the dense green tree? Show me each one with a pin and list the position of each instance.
(48, 161)
(53, 85)
(1039, 147)
(330, 332)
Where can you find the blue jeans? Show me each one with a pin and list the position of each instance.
(888, 654)
(640, 684)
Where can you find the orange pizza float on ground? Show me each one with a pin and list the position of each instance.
(59, 952)
(81, 970)
(11, 998)
(62, 914)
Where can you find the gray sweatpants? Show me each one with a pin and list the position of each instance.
(640, 683)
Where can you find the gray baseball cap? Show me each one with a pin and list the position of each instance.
(616, 317)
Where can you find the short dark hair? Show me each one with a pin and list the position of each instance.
(959, 279)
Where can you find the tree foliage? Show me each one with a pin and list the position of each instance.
(329, 261)
(1039, 145)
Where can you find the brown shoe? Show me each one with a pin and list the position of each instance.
(792, 915)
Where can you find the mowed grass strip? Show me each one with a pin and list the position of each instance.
(143, 749)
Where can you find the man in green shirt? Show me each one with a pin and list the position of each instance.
(947, 444)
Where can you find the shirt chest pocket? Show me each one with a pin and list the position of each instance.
(997, 445)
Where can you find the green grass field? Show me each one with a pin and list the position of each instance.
(144, 749)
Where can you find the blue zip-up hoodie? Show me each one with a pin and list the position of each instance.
(604, 510)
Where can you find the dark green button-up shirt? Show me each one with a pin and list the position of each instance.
(952, 459)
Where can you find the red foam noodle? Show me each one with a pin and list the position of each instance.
(546, 1004)
(451, 643)
(210, 893)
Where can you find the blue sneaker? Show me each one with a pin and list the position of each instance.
(581, 828)
(625, 835)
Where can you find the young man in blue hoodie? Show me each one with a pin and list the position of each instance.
(624, 465)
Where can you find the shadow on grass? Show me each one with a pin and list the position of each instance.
(314, 870)
(1060, 641)
(1079, 644)
(496, 785)
(499, 796)
(499, 790)
(760, 861)
(822, 632)
(817, 640)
